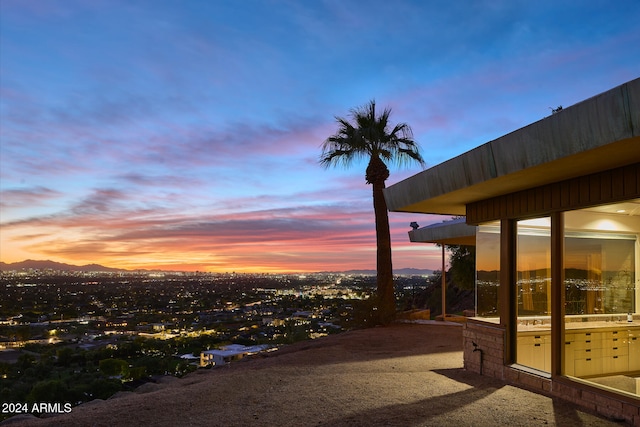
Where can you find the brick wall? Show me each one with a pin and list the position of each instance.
(488, 360)
(490, 349)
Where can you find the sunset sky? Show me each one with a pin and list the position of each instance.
(185, 135)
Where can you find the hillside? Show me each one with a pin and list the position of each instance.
(400, 375)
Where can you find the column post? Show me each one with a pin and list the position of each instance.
(444, 288)
(557, 294)
(507, 298)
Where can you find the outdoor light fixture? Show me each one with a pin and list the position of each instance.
(414, 225)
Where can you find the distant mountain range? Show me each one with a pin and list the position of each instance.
(52, 265)
(398, 271)
(59, 266)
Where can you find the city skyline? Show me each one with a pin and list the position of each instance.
(186, 136)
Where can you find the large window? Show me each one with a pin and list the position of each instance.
(487, 269)
(601, 263)
(534, 267)
(533, 290)
(601, 292)
(599, 273)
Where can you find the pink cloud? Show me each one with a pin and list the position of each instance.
(25, 197)
(296, 238)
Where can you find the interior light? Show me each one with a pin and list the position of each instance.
(620, 211)
(606, 225)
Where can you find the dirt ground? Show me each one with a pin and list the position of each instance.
(400, 375)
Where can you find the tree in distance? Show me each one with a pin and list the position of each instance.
(372, 136)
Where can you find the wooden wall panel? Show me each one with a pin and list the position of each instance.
(585, 194)
(596, 189)
(630, 182)
(606, 190)
(574, 193)
(617, 178)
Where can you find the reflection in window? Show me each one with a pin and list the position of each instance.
(599, 273)
(534, 268)
(487, 269)
(533, 287)
(600, 278)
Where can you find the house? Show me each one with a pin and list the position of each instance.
(554, 212)
(228, 354)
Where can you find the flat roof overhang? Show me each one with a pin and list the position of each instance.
(454, 232)
(600, 133)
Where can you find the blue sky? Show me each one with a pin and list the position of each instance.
(186, 134)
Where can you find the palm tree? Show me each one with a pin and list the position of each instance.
(371, 136)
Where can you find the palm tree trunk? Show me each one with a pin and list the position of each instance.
(386, 294)
(377, 173)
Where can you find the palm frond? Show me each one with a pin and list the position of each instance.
(369, 135)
